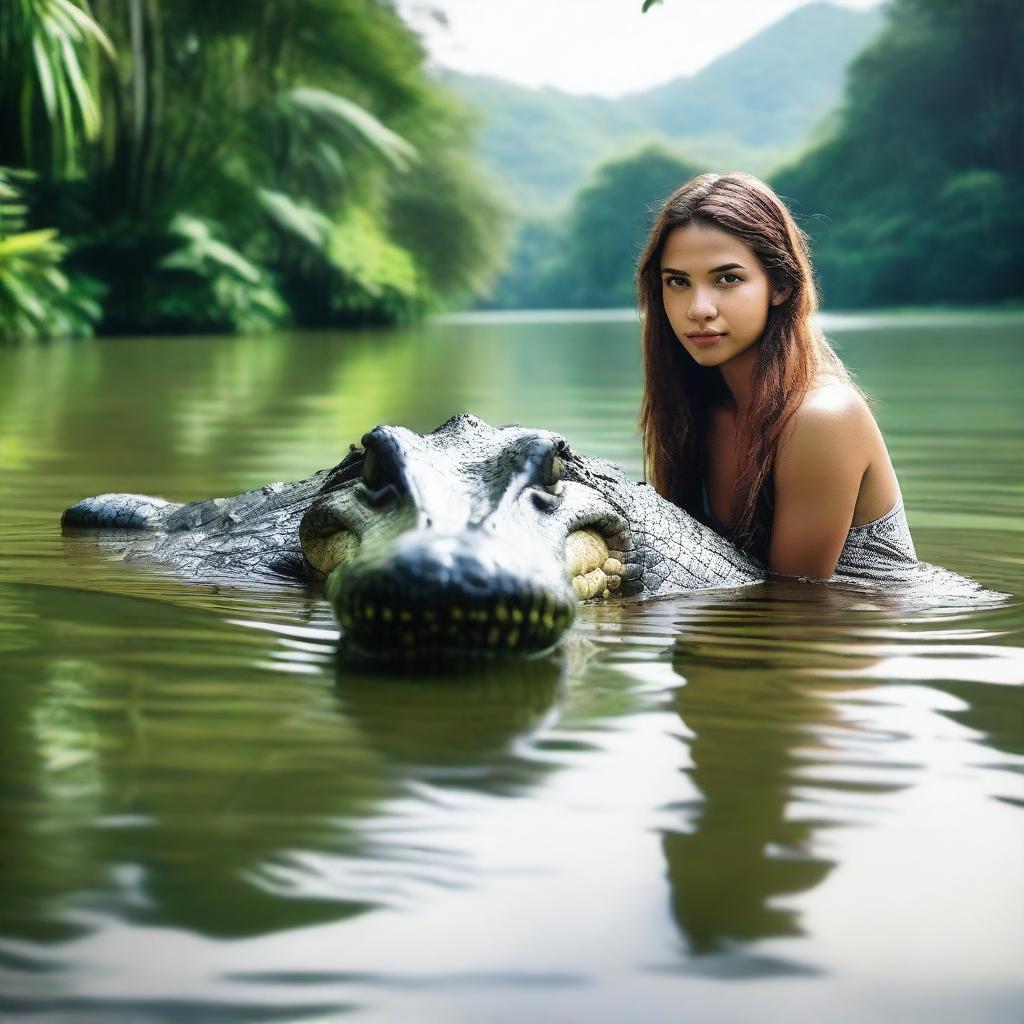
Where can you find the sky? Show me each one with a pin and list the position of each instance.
(601, 47)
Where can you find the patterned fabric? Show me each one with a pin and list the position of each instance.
(879, 551)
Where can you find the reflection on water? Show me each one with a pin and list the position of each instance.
(457, 725)
(761, 721)
(208, 816)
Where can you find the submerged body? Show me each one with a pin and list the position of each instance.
(470, 539)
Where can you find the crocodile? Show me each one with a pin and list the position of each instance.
(468, 540)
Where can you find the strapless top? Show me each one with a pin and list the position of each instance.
(879, 551)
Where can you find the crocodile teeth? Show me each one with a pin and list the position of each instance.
(592, 571)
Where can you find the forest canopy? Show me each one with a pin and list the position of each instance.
(918, 195)
(188, 166)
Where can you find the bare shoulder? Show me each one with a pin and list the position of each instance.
(832, 431)
(833, 412)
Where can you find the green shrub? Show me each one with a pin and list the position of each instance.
(37, 299)
(206, 285)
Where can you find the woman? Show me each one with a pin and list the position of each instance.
(750, 421)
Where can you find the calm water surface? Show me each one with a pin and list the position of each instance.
(773, 804)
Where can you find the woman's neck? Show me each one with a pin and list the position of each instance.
(738, 375)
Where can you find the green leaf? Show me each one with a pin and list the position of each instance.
(204, 248)
(44, 72)
(343, 115)
(79, 86)
(89, 27)
(299, 219)
(359, 247)
(28, 242)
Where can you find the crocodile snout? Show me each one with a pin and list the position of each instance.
(450, 595)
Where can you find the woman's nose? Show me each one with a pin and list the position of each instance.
(702, 306)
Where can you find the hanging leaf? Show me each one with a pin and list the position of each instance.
(296, 218)
(36, 299)
(51, 42)
(348, 118)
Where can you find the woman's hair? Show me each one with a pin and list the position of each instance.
(679, 393)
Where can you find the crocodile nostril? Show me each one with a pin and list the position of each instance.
(382, 496)
(384, 468)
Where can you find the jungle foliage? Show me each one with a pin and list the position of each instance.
(221, 167)
(37, 299)
(918, 196)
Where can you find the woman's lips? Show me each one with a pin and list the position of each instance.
(704, 340)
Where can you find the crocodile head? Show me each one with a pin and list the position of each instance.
(467, 541)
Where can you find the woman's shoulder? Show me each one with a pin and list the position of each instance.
(832, 450)
(832, 413)
(832, 405)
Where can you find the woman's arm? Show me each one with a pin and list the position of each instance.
(822, 458)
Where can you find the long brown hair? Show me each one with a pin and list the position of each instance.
(679, 394)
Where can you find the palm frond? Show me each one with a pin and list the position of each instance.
(340, 115)
(37, 300)
(297, 219)
(50, 44)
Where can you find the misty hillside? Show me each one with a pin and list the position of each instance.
(753, 107)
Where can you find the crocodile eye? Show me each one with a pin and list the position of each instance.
(551, 472)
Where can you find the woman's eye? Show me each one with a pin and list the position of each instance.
(676, 282)
(730, 279)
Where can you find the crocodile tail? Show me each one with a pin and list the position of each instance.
(117, 512)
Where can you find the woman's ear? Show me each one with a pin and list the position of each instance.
(780, 295)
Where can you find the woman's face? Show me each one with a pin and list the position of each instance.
(715, 291)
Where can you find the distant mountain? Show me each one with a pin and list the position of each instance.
(539, 144)
(754, 107)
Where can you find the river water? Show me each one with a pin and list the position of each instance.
(773, 804)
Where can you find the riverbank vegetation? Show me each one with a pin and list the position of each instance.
(918, 196)
(182, 166)
(187, 166)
